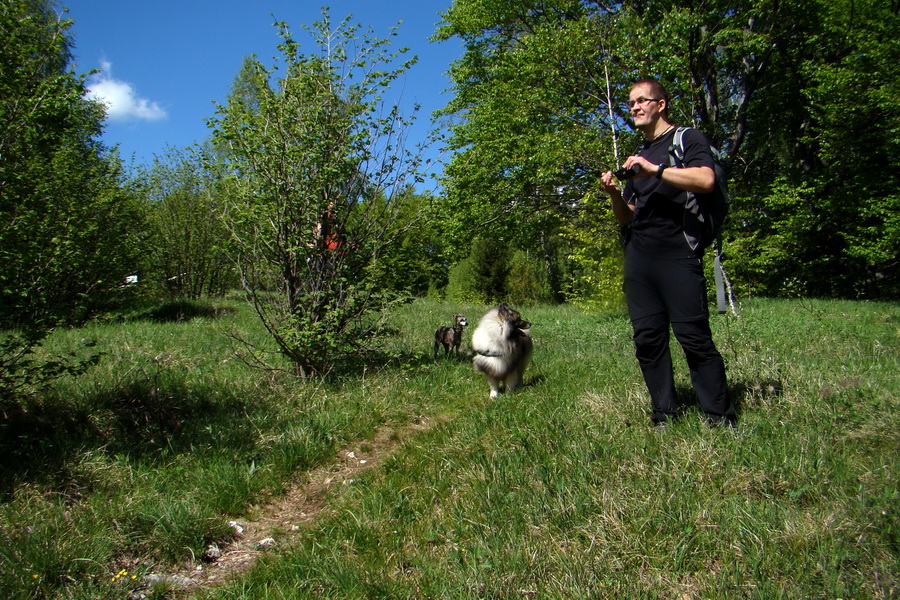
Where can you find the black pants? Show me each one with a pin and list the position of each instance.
(672, 292)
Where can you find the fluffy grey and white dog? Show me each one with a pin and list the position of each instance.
(502, 345)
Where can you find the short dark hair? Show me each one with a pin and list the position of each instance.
(657, 89)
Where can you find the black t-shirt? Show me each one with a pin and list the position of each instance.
(658, 225)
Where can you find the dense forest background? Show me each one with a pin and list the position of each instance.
(798, 95)
(303, 198)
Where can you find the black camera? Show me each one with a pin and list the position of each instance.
(623, 173)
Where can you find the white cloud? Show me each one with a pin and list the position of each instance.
(121, 99)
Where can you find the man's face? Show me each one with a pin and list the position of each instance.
(645, 109)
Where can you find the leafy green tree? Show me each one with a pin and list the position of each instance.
(520, 156)
(596, 257)
(70, 225)
(70, 228)
(414, 263)
(314, 161)
(527, 281)
(188, 257)
(481, 276)
(839, 213)
(539, 95)
(495, 272)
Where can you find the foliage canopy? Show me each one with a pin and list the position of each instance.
(776, 86)
(315, 165)
(69, 226)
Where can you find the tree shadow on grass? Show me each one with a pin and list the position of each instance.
(37, 442)
(356, 366)
(688, 401)
(146, 420)
(41, 442)
(183, 311)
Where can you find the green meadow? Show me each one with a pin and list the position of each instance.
(560, 490)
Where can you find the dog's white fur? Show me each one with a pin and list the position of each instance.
(502, 345)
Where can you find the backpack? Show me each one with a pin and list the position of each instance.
(709, 210)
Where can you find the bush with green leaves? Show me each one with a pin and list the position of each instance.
(70, 228)
(494, 272)
(313, 161)
(189, 256)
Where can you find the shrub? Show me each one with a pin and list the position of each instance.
(481, 277)
(527, 281)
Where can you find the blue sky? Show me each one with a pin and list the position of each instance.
(164, 63)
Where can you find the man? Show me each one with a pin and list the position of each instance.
(664, 281)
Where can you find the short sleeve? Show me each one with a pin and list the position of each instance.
(696, 149)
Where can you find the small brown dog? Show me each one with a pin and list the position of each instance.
(502, 344)
(450, 337)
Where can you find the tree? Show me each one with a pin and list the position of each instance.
(596, 257)
(70, 229)
(314, 162)
(414, 263)
(829, 218)
(494, 272)
(481, 276)
(539, 95)
(188, 256)
(520, 155)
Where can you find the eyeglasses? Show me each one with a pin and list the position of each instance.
(641, 100)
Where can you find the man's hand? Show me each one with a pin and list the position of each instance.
(647, 168)
(608, 183)
(624, 212)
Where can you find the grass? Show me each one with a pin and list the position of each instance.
(561, 490)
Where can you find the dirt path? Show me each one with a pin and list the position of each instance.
(272, 525)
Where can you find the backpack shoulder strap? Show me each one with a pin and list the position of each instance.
(676, 159)
(676, 150)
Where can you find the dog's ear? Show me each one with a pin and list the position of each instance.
(511, 314)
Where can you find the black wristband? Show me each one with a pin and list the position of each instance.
(662, 167)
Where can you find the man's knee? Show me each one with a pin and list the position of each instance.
(695, 338)
(651, 338)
